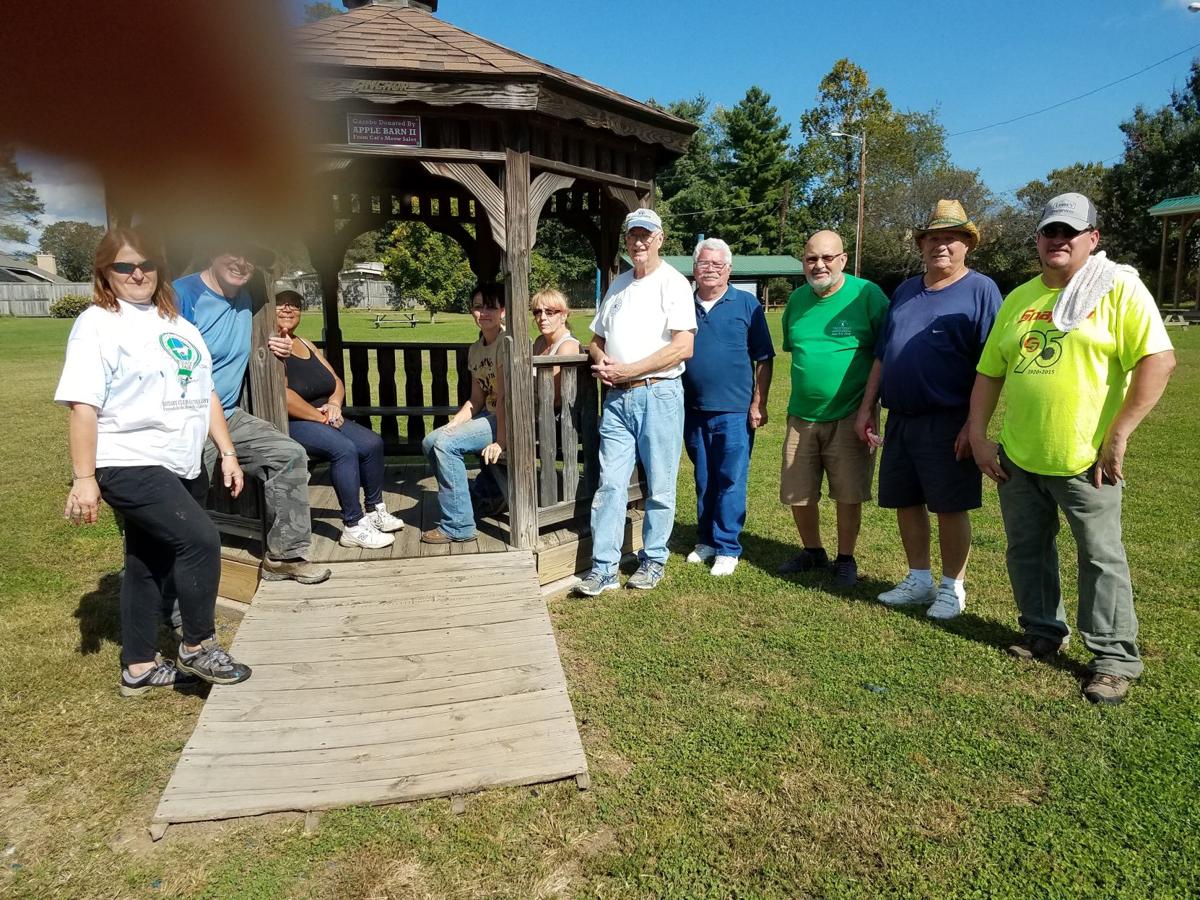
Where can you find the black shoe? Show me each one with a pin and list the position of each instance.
(1032, 647)
(807, 560)
(212, 663)
(845, 572)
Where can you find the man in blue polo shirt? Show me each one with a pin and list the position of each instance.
(216, 301)
(725, 399)
(924, 370)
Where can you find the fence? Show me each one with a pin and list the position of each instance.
(35, 299)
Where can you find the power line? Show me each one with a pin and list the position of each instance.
(1103, 87)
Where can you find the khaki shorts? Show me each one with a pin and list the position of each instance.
(813, 448)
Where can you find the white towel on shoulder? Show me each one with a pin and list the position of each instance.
(1084, 290)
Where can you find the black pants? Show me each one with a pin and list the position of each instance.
(167, 533)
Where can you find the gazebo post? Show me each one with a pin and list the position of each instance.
(518, 394)
(1180, 261)
(327, 263)
(1162, 262)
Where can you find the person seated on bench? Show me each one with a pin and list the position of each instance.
(314, 406)
(549, 308)
(477, 427)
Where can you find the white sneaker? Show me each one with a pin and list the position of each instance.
(724, 565)
(384, 520)
(948, 604)
(910, 592)
(365, 535)
(702, 553)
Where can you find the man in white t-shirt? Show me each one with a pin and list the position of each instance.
(644, 331)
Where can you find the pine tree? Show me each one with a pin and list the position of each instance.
(755, 171)
(20, 205)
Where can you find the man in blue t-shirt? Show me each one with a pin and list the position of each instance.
(215, 300)
(924, 370)
(725, 400)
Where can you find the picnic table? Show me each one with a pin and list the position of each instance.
(384, 320)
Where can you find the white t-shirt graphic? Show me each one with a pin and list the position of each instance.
(150, 380)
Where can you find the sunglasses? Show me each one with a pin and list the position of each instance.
(148, 266)
(538, 313)
(1057, 231)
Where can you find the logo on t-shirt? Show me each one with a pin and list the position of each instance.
(184, 355)
(841, 328)
(1040, 350)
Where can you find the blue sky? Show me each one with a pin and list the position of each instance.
(974, 62)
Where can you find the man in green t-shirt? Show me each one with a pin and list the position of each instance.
(830, 327)
(1082, 357)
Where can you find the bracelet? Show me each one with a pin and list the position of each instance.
(228, 453)
(75, 477)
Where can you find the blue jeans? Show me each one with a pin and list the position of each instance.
(355, 454)
(643, 423)
(446, 448)
(719, 445)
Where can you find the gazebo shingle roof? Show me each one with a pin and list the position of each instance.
(404, 39)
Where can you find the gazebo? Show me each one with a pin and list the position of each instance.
(417, 120)
(1186, 211)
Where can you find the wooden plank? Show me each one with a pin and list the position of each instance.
(572, 553)
(569, 411)
(360, 385)
(589, 434)
(519, 770)
(440, 383)
(385, 367)
(239, 580)
(547, 443)
(464, 374)
(414, 393)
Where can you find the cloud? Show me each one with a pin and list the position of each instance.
(67, 189)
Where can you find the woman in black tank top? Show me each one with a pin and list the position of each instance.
(355, 453)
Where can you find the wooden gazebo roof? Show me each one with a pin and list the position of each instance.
(383, 40)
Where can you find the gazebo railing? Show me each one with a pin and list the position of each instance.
(405, 386)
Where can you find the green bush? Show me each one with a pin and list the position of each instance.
(69, 306)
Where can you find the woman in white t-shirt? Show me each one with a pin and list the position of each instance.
(138, 382)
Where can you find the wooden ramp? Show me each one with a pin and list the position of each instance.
(395, 680)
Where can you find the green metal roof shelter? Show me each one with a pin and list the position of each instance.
(1187, 211)
(758, 269)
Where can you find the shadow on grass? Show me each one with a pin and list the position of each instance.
(99, 614)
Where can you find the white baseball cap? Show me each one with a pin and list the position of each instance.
(643, 218)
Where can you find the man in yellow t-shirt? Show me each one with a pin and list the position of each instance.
(1082, 356)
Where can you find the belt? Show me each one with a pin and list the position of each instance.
(641, 382)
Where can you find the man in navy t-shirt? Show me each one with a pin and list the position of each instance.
(725, 399)
(924, 370)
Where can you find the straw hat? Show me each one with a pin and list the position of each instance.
(949, 215)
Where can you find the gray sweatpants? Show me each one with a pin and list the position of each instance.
(1029, 504)
(282, 466)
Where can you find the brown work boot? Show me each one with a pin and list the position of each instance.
(300, 570)
(1032, 647)
(1106, 690)
(437, 536)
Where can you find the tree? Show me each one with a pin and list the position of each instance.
(691, 186)
(1006, 252)
(1161, 160)
(427, 267)
(20, 205)
(755, 171)
(315, 12)
(74, 247)
(904, 149)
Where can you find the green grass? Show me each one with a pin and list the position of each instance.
(748, 737)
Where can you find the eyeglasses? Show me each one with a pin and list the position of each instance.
(826, 258)
(705, 264)
(148, 267)
(538, 313)
(1058, 231)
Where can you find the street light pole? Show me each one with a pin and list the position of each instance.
(862, 193)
